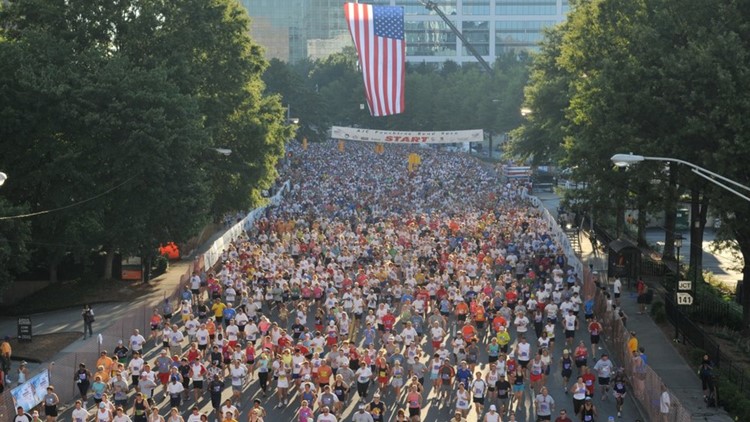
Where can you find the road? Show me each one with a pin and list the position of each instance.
(724, 264)
(433, 410)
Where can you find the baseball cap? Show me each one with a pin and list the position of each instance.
(361, 406)
(493, 408)
(377, 395)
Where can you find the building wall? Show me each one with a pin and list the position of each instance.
(316, 28)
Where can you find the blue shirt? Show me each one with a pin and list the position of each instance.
(589, 307)
(463, 375)
(229, 313)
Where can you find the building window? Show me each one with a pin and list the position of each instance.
(519, 35)
(429, 38)
(415, 7)
(476, 7)
(529, 7)
(478, 34)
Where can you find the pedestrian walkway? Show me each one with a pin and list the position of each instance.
(679, 376)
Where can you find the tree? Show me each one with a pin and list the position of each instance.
(656, 77)
(14, 237)
(129, 98)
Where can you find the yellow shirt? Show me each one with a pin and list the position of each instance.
(218, 309)
(633, 344)
(503, 338)
(5, 349)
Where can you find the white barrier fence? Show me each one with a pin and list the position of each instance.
(214, 252)
(560, 237)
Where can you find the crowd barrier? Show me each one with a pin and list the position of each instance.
(211, 257)
(645, 383)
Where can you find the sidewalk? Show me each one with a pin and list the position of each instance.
(679, 376)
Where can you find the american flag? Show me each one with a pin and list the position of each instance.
(378, 33)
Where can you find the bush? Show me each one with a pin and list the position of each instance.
(161, 265)
(733, 400)
(659, 312)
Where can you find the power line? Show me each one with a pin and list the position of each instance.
(34, 214)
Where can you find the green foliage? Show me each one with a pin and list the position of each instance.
(14, 238)
(658, 312)
(161, 265)
(330, 92)
(734, 400)
(132, 96)
(654, 77)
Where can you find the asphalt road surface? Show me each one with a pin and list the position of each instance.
(433, 409)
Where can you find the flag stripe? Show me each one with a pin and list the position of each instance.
(377, 33)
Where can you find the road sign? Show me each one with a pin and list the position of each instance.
(24, 328)
(685, 285)
(684, 298)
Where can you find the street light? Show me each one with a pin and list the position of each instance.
(3, 178)
(624, 160)
(223, 151)
(289, 118)
(677, 244)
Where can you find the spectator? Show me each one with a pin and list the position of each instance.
(664, 403)
(88, 321)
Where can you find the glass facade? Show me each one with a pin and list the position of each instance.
(429, 38)
(292, 30)
(526, 7)
(476, 7)
(518, 35)
(478, 34)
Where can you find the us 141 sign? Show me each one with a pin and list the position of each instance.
(684, 298)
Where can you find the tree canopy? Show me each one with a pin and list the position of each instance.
(329, 92)
(652, 77)
(130, 98)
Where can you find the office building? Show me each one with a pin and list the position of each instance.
(292, 30)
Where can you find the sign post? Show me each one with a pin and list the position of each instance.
(683, 297)
(24, 328)
(684, 292)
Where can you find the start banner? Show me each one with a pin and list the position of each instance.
(399, 137)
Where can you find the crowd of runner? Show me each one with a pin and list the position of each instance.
(367, 291)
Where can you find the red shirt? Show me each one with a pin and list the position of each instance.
(193, 355)
(499, 321)
(389, 321)
(511, 296)
(590, 380)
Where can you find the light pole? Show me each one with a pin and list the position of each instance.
(289, 119)
(677, 244)
(624, 160)
(223, 151)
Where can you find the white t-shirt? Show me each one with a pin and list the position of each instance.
(409, 335)
(80, 415)
(175, 388)
(202, 336)
(364, 374)
(136, 342)
(478, 387)
(232, 332)
(664, 402)
(238, 374)
(228, 409)
(326, 418)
